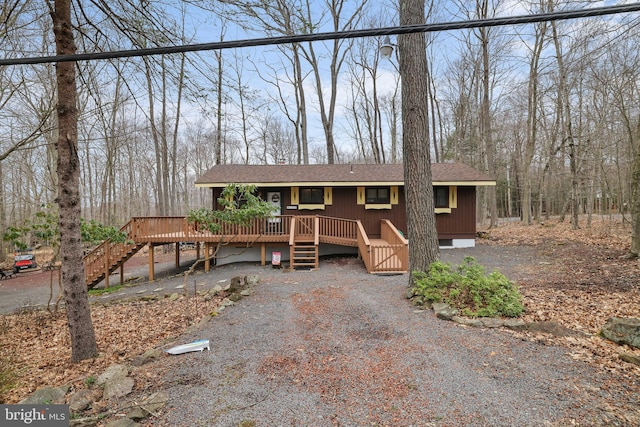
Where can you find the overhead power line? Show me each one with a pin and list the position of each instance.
(386, 31)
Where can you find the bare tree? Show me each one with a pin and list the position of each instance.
(83, 341)
(527, 152)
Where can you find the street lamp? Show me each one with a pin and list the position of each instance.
(386, 49)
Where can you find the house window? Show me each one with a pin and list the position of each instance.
(441, 196)
(377, 195)
(312, 196)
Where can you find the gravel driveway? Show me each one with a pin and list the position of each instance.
(340, 347)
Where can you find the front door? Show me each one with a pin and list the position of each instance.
(275, 199)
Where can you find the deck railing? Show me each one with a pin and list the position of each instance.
(338, 231)
(378, 257)
(390, 256)
(395, 255)
(101, 260)
(364, 246)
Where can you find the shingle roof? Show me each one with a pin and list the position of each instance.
(336, 175)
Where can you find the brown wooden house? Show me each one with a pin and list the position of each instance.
(320, 210)
(371, 194)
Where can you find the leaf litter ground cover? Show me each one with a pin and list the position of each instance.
(579, 279)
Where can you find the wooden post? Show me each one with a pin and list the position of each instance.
(263, 253)
(121, 274)
(207, 262)
(197, 251)
(107, 264)
(177, 254)
(151, 267)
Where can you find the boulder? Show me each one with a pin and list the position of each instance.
(630, 358)
(547, 327)
(514, 323)
(80, 400)
(622, 331)
(46, 395)
(137, 414)
(118, 387)
(115, 370)
(444, 311)
(468, 321)
(238, 283)
(147, 356)
(84, 422)
(123, 422)
(491, 322)
(409, 293)
(116, 381)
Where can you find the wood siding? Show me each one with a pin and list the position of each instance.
(459, 224)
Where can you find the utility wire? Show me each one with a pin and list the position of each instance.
(408, 29)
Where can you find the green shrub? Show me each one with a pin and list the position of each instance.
(467, 288)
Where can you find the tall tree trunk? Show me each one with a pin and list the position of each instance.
(563, 94)
(634, 251)
(155, 133)
(635, 202)
(301, 102)
(532, 122)
(421, 220)
(83, 341)
(485, 110)
(174, 141)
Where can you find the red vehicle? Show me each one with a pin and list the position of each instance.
(24, 261)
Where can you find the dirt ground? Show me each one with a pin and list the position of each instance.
(577, 278)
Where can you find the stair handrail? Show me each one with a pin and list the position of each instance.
(292, 231)
(104, 248)
(364, 246)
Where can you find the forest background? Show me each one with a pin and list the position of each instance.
(549, 109)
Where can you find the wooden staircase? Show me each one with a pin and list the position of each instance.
(303, 242)
(108, 257)
(304, 254)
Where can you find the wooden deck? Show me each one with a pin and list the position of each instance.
(304, 234)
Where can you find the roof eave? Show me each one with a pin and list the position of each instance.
(346, 184)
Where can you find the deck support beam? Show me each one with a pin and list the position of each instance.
(263, 254)
(207, 261)
(122, 274)
(151, 261)
(177, 254)
(107, 264)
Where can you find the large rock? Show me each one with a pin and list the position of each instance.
(238, 283)
(630, 358)
(118, 387)
(622, 331)
(116, 381)
(124, 422)
(148, 356)
(46, 395)
(84, 422)
(115, 370)
(81, 400)
(149, 406)
(444, 311)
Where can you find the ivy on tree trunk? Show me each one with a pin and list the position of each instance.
(83, 341)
